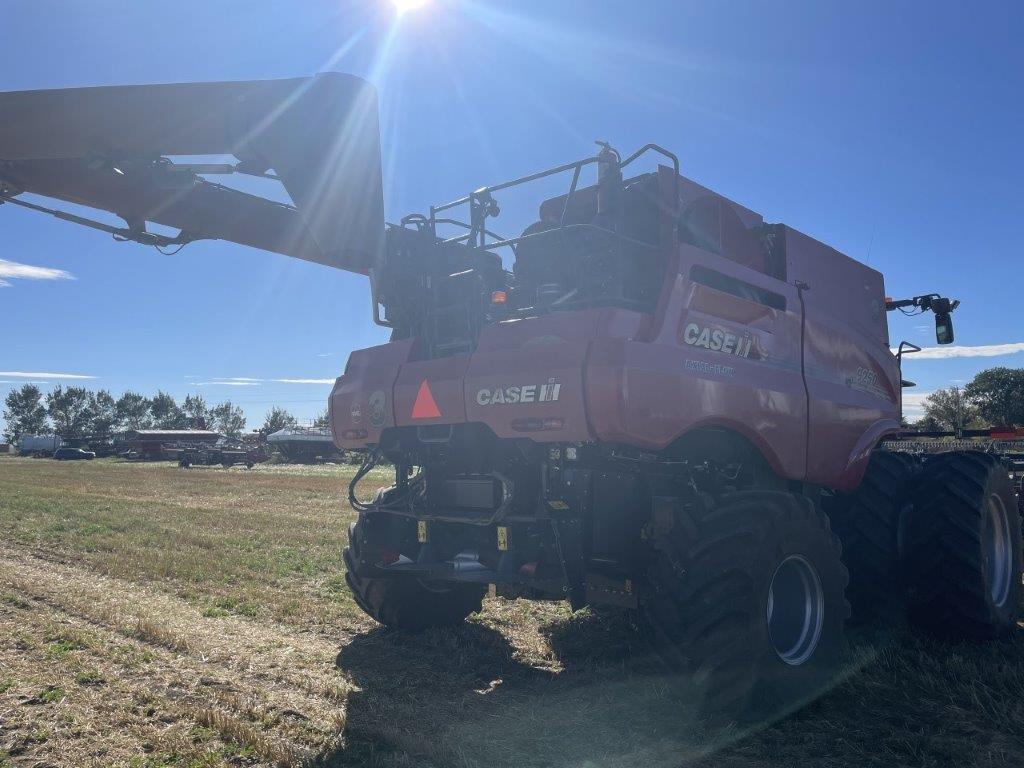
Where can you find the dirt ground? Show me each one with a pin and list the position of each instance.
(154, 616)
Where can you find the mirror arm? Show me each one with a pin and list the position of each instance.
(905, 347)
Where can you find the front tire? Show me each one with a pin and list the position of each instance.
(405, 603)
(963, 548)
(747, 598)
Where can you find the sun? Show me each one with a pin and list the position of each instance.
(403, 6)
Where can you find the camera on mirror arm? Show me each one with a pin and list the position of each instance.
(939, 305)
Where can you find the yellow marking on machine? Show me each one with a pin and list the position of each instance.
(503, 538)
(421, 531)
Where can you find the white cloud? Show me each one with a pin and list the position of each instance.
(247, 381)
(913, 404)
(227, 381)
(37, 375)
(984, 350)
(14, 270)
(325, 354)
(4, 284)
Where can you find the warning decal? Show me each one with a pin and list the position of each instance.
(425, 407)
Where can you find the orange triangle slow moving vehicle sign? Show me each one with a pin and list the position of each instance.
(425, 407)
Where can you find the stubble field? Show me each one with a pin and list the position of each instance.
(153, 616)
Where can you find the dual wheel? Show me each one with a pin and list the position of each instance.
(749, 593)
(939, 544)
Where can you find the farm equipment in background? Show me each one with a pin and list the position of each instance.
(226, 455)
(102, 446)
(666, 405)
(149, 444)
(38, 445)
(305, 445)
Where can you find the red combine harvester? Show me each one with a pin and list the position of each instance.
(666, 405)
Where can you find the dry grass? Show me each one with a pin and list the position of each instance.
(152, 617)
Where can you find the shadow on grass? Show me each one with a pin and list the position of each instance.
(464, 697)
(467, 697)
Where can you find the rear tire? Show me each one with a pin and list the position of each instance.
(867, 523)
(405, 603)
(728, 588)
(963, 548)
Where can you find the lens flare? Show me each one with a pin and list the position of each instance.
(404, 6)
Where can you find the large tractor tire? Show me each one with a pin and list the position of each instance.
(747, 599)
(868, 524)
(962, 548)
(408, 604)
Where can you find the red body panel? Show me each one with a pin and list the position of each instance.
(650, 393)
(539, 352)
(852, 378)
(799, 366)
(444, 379)
(362, 401)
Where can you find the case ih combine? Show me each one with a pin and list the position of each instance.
(666, 404)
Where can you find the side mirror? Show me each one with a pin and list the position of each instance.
(943, 328)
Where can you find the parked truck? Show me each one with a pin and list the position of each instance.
(657, 401)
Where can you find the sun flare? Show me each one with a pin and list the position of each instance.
(404, 6)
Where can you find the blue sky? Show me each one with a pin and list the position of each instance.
(889, 130)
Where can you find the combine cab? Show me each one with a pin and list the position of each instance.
(666, 404)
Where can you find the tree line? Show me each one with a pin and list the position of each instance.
(993, 398)
(79, 412)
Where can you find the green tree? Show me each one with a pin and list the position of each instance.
(24, 413)
(198, 414)
(949, 409)
(323, 419)
(998, 396)
(927, 424)
(103, 416)
(68, 409)
(229, 419)
(166, 412)
(277, 419)
(133, 411)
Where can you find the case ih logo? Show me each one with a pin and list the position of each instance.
(525, 393)
(717, 340)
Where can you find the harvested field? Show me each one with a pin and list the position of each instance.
(152, 616)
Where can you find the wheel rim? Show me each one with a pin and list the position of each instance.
(796, 610)
(998, 552)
